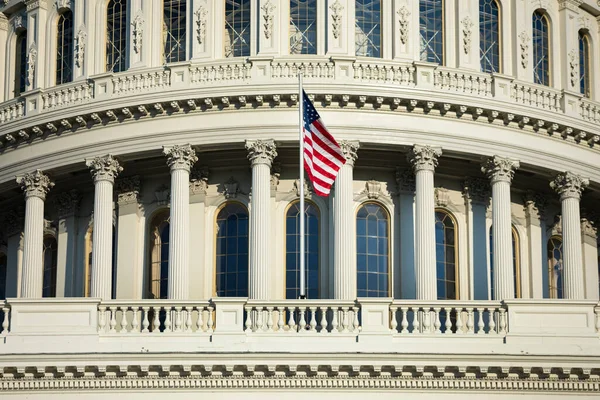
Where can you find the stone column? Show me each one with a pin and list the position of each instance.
(424, 159)
(104, 170)
(35, 185)
(500, 171)
(569, 186)
(535, 204)
(180, 160)
(261, 154)
(67, 204)
(344, 225)
(13, 222)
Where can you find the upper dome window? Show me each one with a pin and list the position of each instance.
(116, 36)
(541, 49)
(431, 29)
(303, 26)
(368, 28)
(237, 28)
(584, 64)
(489, 35)
(64, 48)
(174, 32)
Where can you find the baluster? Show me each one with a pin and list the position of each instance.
(597, 320)
(470, 320)
(280, 320)
(302, 319)
(416, 322)
(211, 322)
(404, 323)
(248, 319)
(356, 323)
(334, 320)
(113, 319)
(156, 322)
(291, 322)
(313, 319)
(270, 319)
(145, 322)
(260, 319)
(345, 321)
(459, 322)
(188, 319)
(323, 319)
(102, 319)
(492, 328)
(448, 323)
(5, 310)
(123, 323)
(134, 319)
(178, 321)
(394, 322)
(437, 324)
(168, 323)
(502, 321)
(200, 321)
(480, 324)
(426, 320)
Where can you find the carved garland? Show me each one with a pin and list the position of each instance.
(201, 22)
(268, 15)
(80, 43)
(524, 48)
(467, 25)
(403, 23)
(138, 31)
(336, 18)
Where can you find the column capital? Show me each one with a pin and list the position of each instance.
(569, 185)
(34, 4)
(261, 151)
(499, 169)
(128, 190)
(424, 157)
(104, 168)
(350, 150)
(405, 180)
(67, 203)
(180, 157)
(571, 5)
(534, 204)
(35, 184)
(476, 190)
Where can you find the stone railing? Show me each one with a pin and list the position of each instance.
(315, 69)
(67, 95)
(395, 73)
(448, 317)
(590, 110)
(12, 110)
(302, 316)
(136, 82)
(223, 72)
(537, 96)
(4, 317)
(452, 80)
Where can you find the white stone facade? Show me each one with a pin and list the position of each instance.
(99, 300)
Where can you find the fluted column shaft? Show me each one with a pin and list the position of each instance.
(500, 171)
(261, 154)
(570, 186)
(180, 160)
(104, 170)
(344, 226)
(35, 185)
(424, 161)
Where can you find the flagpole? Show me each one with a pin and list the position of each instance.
(301, 138)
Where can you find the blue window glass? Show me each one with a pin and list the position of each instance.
(446, 256)
(64, 48)
(174, 32)
(116, 35)
(584, 64)
(232, 251)
(21, 63)
(541, 49)
(555, 267)
(311, 251)
(237, 28)
(372, 251)
(368, 28)
(516, 269)
(303, 26)
(431, 28)
(50, 252)
(489, 34)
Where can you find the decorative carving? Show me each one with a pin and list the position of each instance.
(541, 4)
(33, 4)
(138, 31)
(268, 16)
(261, 151)
(35, 184)
(19, 23)
(442, 197)
(350, 151)
(403, 23)
(62, 5)
(180, 157)
(3, 22)
(199, 180)
(499, 169)
(275, 175)
(571, 5)
(201, 21)
(569, 185)
(476, 190)
(405, 179)
(162, 195)
(573, 66)
(80, 43)
(588, 228)
(467, 25)
(104, 168)
(128, 190)
(524, 48)
(424, 157)
(14, 220)
(307, 189)
(336, 18)
(67, 203)
(373, 189)
(31, 59)
(534, 204)
(231, 188)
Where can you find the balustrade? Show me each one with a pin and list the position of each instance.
(141, 81)
(232, 71)
(317, 69)
(67, 95)
(589, 110)
(462, 82)
(11, 110)
(384, 73)
(536, 96)
(4, 318)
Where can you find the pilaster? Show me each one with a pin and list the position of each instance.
(200, 242)
(340, 27)
(37, 16)
(467, 43)
(14, 223)
(534, 205)
(203, 31)
(568, 10)
(405, 179)
(141, 33)
(3, 55)
(589, 248)
(67, 204)
(269, 29)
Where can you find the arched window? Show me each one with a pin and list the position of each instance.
(367, 38)
(516, 263)
(21, 64)
(541, 48)
(64, 48)
(311, 251)
(373, 251)
(446, 255)
(237, 28)
(159, 256)
(584, 64)
(174, 32)
(431, 28)
(489, 35)
(3, 270)
(555, 267)
(116, 36)
(303, 26)
(232, 251)
(50, 250)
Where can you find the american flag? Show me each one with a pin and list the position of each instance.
(323, 156)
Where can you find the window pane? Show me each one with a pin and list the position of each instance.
(431, 30)
(367, 38)
(64, 48)
(116, 35)
(311, 251)
(232, 255)
(445, 255)
(303, 26)
(541, 55)
(50, 252)
(372, 257)
(489, 34)
(584, 64)
(174, 32)
(237, 28)
(555, 268)
(3, 270)
(21, 64)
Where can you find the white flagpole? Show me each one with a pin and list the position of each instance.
(300, 133)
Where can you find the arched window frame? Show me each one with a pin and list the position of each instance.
(159, 220)
(175, 14)
(484, 52)
(368, 21)
(64, 47)
(318, 269)
(110, 65)
(388, 214)
(516, 262)
(585, 63)
(542, 76)
(456, 251)
(553, 291)
(311, 27)
(50, 265)
(432, 49)
(239, 28)
(219, 209)
(87, 261)
(20, 63)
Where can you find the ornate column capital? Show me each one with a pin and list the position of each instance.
(588, 228)
(424, 157)
(199, 180)
(476, 190)
(128, 190)
(569, 185)
(534, 204)
(35, 184)
(180, 157)
(67, 203)
(499, 169)
(261, 151)
(350, 150)
(104, 168)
